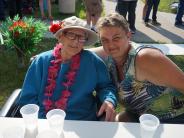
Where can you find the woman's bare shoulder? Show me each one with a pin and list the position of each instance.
(148, 55)
(99, 51)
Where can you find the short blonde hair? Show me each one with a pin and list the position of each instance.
(113, 20)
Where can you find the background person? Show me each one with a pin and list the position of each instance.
(48, 6)
(144, 9)
(128, 6)
(67, 76)
(147, 80)
(179, 15)
(152, 4)
(93, 12)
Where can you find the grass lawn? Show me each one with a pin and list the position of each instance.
(164, 5)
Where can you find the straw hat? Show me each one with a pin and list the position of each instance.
(77, 23)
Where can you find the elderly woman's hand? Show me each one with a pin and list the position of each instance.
(107, 108)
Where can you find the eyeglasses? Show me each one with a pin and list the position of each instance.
(73, 36)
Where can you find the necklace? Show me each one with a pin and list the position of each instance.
(53, 70)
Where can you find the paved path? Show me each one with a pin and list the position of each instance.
(166, 33)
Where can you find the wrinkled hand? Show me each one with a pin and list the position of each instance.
(109, 110)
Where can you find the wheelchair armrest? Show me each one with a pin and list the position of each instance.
(10, 104)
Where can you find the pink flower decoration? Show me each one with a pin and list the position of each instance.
(47, 102)
(66, 93)
(57, 50)
(51, 80)
(48, 94)
(62, 101)
(71, 75)
(67, 84)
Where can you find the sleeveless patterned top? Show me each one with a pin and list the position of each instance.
(140, 97)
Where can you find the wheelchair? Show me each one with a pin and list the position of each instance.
(10, 108)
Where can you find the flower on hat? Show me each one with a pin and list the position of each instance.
(55, 26)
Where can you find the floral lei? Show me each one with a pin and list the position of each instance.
(61, 103)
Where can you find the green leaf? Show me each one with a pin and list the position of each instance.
(25, 33)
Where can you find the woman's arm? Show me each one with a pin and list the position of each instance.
(153, 66)
(99, 51)
(106, 91)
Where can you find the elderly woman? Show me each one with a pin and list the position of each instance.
(67, 76)
(147, 80)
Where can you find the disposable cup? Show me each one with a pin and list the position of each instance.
(148, 125)
(13, 132)
(56, 118)
(29, 113)
(1, 135)
(48, 134)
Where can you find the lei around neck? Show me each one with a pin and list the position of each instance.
(70, 76)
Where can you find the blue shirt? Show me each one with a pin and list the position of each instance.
(91, 76)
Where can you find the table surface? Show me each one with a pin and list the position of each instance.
(168, 49)
(94, 129)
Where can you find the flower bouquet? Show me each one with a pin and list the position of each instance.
(22, 34)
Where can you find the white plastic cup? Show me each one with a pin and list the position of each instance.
(148, 125)
(13, 132)
(56, 118)
(48, 134)
(29, 113)
(1, 135)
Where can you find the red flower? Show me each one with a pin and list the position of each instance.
(22, 24)
(61, 103)
(75, 62)
(19, 23)
(67, 84)
(50, 87)
(55, 26)
(16, 34)
(75, 65)
(31, 30)
(60, 106)
(52, 82)
(52, 74)
(71, 75)
(47, 102)
(48, 94)
(66, 93)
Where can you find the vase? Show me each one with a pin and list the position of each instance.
(20, 57)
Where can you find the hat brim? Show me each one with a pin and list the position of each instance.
(92, 36)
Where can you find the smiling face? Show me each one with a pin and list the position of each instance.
(73, 41)
(115, 41)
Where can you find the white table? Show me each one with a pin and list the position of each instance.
(93, 129)
(168, 49)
